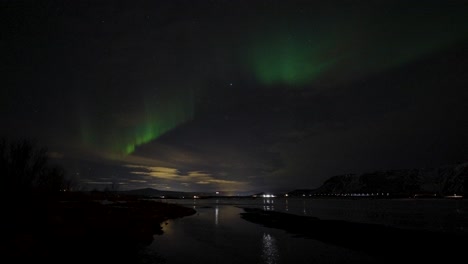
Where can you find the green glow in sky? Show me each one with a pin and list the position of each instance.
(288, 60)
(161, 115)
(337, 46)
(152, 118)
(325, 49)
(159, 119)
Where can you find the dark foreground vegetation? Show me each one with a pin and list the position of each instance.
(44, 221)
(78, 227)
(387, 244)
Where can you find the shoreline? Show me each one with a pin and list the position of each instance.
(385, 243)
(81, 228)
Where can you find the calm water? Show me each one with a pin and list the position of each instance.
(217, 234)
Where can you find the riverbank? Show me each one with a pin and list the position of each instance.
(388, 244)
(81, 228)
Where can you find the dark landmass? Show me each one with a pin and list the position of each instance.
(162, 194)
(155, 193)
(448, 181)
(386, 244)
(83, 227)
(432, 182)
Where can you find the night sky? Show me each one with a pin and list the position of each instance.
(235, 95)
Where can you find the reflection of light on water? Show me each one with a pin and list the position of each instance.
(167, 228)
(216, 215)
(268, 205)
(286, 206)
(269, 250)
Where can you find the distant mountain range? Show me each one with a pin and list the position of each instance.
(154, 193)
(442, 181)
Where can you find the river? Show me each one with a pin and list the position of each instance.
(217, 233)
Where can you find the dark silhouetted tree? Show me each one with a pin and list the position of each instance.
(24, 169)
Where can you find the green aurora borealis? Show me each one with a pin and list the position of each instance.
(214, 92)
(290, 52)
(295, 51)
(155, 117)
(159, 119)
(286, 60)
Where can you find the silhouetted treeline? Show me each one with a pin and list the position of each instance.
(25, 169)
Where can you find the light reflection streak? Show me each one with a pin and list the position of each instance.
(216, 215)
(268, 205)
(269, 249)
